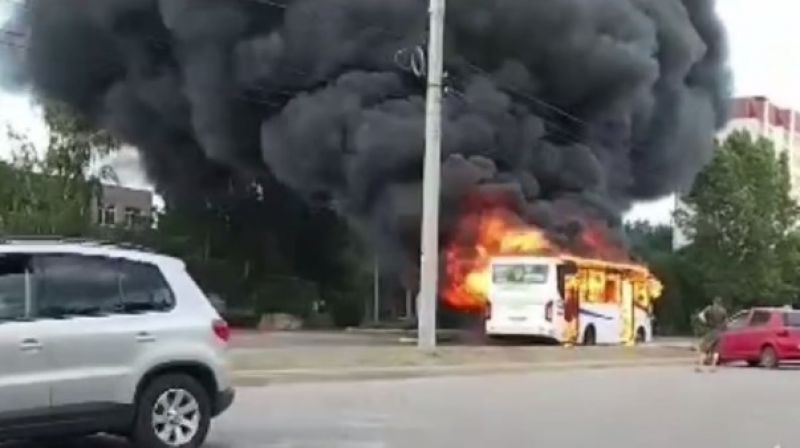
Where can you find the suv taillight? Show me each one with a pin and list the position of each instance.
(221, 329)
(548, 311)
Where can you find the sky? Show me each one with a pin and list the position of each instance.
(763, 40)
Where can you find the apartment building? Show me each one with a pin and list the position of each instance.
(761, 118)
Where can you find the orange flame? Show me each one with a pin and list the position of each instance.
(468, 276)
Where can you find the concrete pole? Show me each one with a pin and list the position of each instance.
(429, 264)
(376, 291)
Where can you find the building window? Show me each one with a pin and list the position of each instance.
(133, 217)
(106, 215)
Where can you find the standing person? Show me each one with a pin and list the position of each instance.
(714, 318)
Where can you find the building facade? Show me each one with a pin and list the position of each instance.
(761, 118)
(124, 207)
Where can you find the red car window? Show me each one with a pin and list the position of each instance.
(791, 319)
(759, 318)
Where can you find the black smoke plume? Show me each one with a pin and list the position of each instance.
(568, 109)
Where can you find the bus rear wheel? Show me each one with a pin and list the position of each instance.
(589, 336)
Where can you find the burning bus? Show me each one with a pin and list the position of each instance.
(526, 285)
(570, 299)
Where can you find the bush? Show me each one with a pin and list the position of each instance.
(288, 295)
(347, 310)
(242, 318)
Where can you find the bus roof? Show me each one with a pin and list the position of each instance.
(580, 261)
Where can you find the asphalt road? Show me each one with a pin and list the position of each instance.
(619, 408)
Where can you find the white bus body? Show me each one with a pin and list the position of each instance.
(521, 307)
(526, 299)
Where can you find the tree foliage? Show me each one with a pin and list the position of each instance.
(646, 238)
(250, 240)
(741, 220)
(49, 191)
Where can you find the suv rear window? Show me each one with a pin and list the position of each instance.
(791, 319)
(78, 285)
(143, 287)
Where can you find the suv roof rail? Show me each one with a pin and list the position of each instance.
(10, 239)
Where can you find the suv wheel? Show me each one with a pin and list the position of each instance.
(173, 411)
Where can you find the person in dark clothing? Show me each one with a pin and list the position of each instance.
(714, 317)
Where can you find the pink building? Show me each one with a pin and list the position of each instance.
(761, 118)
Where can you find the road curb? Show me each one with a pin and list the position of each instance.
(286, 376)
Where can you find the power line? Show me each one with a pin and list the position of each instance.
(549, 106)
(416, 70)
(553, 127)
(271, 3)
(415, 66)
(110, 67)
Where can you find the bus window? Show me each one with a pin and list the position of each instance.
(519, 274)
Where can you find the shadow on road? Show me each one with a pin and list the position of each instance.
(87, 442)
(519, 341)
(792, 366)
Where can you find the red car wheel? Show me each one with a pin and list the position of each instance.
(769, 359)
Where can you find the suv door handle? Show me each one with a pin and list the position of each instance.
(30, 345)
(145, 337)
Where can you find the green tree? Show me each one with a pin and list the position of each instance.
(249, 240)
(646, 238)
(741, 220)
(50, 191)
(653, 245)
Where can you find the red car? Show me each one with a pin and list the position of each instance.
(762, 336)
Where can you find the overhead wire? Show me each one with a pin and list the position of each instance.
(416, 66)
(532, 98)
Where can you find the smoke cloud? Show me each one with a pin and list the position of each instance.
(568, 110)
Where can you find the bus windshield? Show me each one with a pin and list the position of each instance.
(519, 274)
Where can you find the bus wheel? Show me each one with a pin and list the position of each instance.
(589, 336)
(641, 336)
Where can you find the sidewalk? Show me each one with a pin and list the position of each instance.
(254, 366)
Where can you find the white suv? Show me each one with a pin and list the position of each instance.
(99, 338)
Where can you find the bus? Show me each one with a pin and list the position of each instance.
(570, 300)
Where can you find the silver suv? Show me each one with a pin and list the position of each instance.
(98, 338)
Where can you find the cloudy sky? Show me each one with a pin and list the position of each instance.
(763, 38)
(764, 41)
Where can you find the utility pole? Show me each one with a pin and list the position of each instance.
(376, 290)
(429, 263)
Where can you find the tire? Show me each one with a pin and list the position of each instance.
(641, 336)
(589, 336)
(157, 401)
(768, 359)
